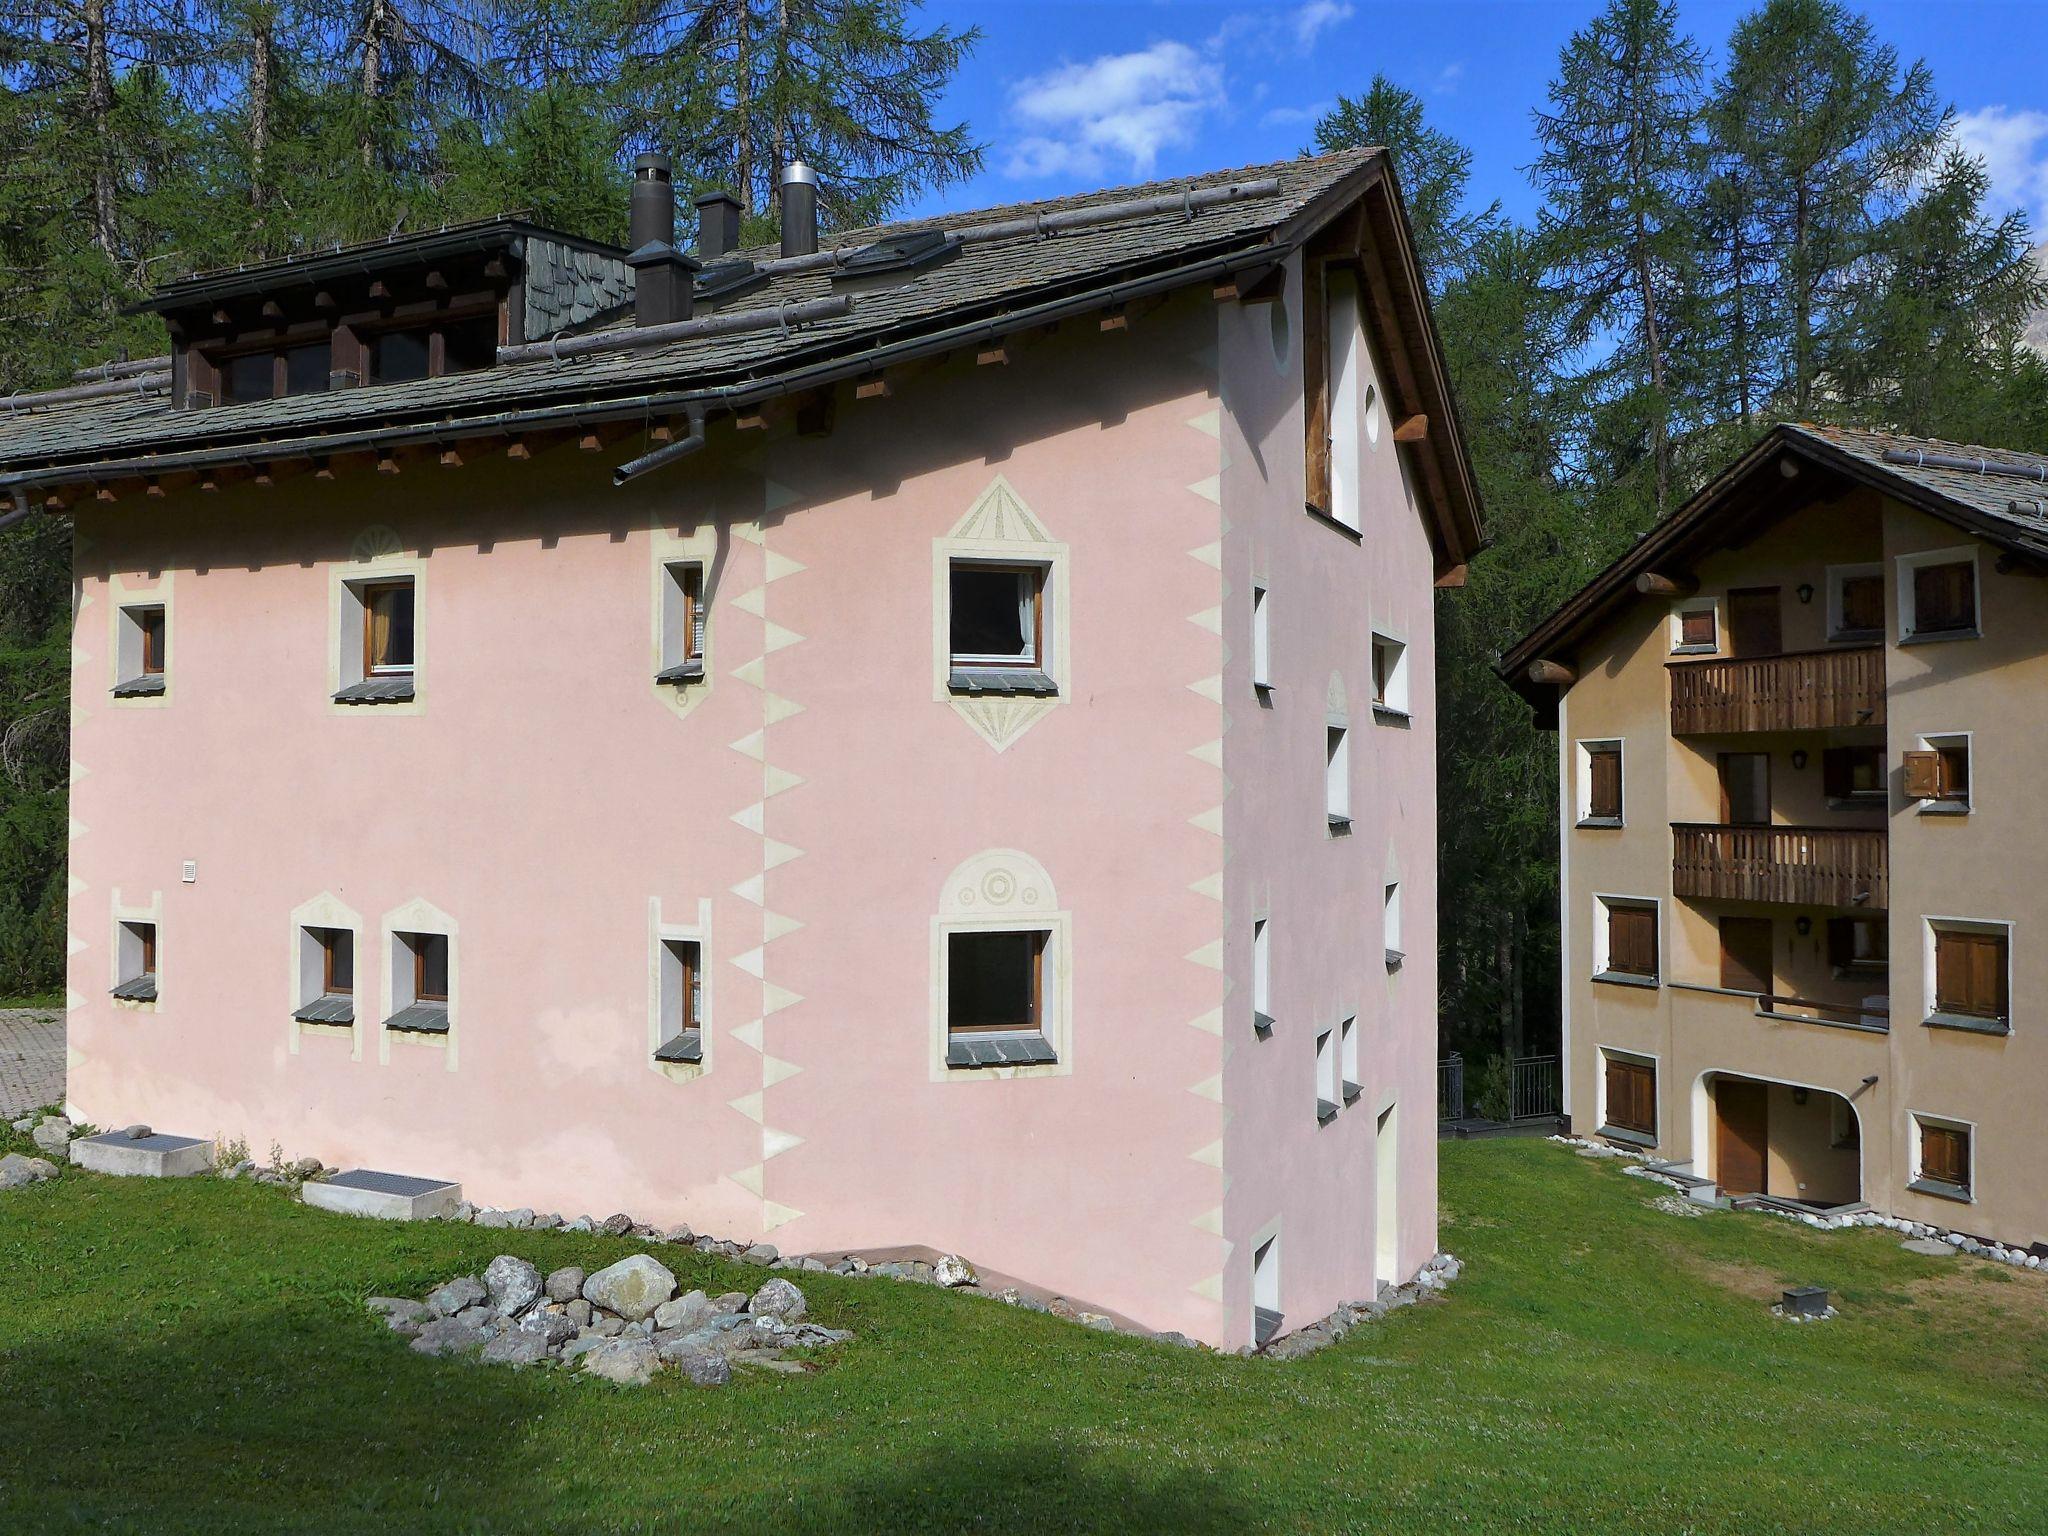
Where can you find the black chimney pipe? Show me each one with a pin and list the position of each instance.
(718, 225)
(653, 219)
(799, 209)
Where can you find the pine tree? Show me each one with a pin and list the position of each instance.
(1432, 168)
(1828, 133)
(1619, 165)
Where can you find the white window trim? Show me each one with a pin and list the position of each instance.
(416, 916)
(1265, 1291)
(124, 639)
(1042, 636)
(1650, 1059)
(1917, 1118)
(1932, 924)
(1390, 923)
(1343, 317)
(1603, 902)
(1395, 704)
(1836, 575)
(675, 645)
(698, 547)
(1348, 1079)
(1582, 786)
(1262, 974)
(1337, 776)
(1928, 741)
(1002, 890)
(1262, 637)
(327, 911)
(152, 914)
(345, 630)
(1328, 1093)
(1680, 609)
(659, 935)
(1907, 564)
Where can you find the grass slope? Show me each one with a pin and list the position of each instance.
(194, 1356)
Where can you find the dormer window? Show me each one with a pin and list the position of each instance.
(299, 369)
(404, 353)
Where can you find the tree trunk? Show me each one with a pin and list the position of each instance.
(372, 78)
(262, 92)
(99, 112)
(743, 98)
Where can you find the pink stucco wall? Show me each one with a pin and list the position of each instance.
(814, 803)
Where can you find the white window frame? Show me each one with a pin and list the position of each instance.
(1391, 924)
(1002, 890)
(1042, 628)
(1347, 1059)
(1394, 704)
(1932, 924)
(1686, 605)
(1262, 638)
(1337, 776)
(1583, 786)
(1603, 903)
(1919, 1182)
(1908, 564)
(1328, 1095)
(1930, 741)
(677, 647)
(345, 624)
(1262, 975)
(1836, 576)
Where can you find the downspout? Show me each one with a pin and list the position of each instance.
(668, 453)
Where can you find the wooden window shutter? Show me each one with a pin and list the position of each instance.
(1604, 794)
(1969, 974)
(1987, 975)
(1632, 940)
(1632, 1097)
(1944, 596)
(1315, 383)
(1863, 602)
(1696, 627)
(1923, 775)
(1945, 1154)
(1952, 773)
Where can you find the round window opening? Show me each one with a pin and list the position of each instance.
(1276, 317)
(1372, 415)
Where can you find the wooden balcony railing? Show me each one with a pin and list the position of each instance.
(1806, 866)
(1798, 691)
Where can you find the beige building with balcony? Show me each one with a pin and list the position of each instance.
(1803, 843)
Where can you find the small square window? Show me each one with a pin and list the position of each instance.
(399, 356)
(1627, 941)
(682, 1002)
(1937, 773)
(249, 376)
(468, 345)
(1631, 1085)
(141, 647)
(387, 628)
(1326, 1077)
(1938, 596)
(682, 623)
(1853, 773)
(135, 963)
(327, 976)
(995, 998)
(420, 975)
(1599, 787)
(1942, 1160)
(1971, 975)
(1389, 676)
(997, 617)
(1859, 945)
(1337, 778)
(306, 368)
(1856, 602)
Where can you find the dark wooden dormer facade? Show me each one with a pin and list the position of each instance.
(394, 311)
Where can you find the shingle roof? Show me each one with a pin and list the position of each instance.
(2008, 511)
(985, 277)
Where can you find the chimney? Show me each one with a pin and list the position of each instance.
(653, 219)
(664, 279)
(718, 225)
(799, 210)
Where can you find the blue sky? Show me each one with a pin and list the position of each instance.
(1075, 95)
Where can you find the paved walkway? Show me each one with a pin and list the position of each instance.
(31, 1060)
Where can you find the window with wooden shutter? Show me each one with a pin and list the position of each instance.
(151, 622)
(1970, 974)
(1604, 790)
(1696, 629)
(1945, 1154)
(1632, 940)
(1632, 1096)
(1862, 604)
(1944, 597)
(1853, 773)
(1859, 943)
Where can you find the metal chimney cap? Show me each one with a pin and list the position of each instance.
(721, 196)
(651, 167)
(797, 174)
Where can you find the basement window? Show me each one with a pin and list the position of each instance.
(682, 1003)
(995, 998)
(327, 976)
(1266, 1316)
(995, 625)
(379, 668)
(135, 963)
(1942, 1158)
(682, 623)
(140, 663)
(1630, 1087)
(420, 975)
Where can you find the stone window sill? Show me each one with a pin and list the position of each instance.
(1623, 1134)
(1944, 808)
(1395, 958)
(1625, 979)
(1386, 714)
(681, 673)
(148, 687)
(685, 1048)
(1340, 826)
(1967, 1023)
(1936, 636)
(1022, 1049)
(1326, 1111)
(1355, 535)
(1941, 1189)
(377, 690)
(1001, 680)
(137, 989)
(1262, 1024)
(1856, 637)
(1352, 1091)
(328, 1010)
(420, 1019)
(1696, 650)
(1596, 822)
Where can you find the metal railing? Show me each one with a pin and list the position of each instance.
(1535, 1087)
(1450, 1088)
(1797, 691)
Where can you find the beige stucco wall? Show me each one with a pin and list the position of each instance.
(1982, 866)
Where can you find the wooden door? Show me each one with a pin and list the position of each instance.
(1746, 954)
(1753, 625)
(1745, 789)
(1743, 1109)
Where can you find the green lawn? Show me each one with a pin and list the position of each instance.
(195, 1356)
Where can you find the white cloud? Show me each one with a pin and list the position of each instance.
(1118, 106)
(2011, 145)
(1447, 78)
(1292, 117)
(1310, 20)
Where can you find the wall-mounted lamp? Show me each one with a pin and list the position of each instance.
(1799, 758)
(1803, 925)
(1805, 590)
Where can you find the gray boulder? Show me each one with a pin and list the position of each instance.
(704, 1370)
(462, 1292)
(16, 1170)
(633, 1287)
(137, 1132)
(814, 1336)
(566, 1283)
(606, 1326)
(685, 1312)
(953, 1270)
(494, 1218)
(53, 1135)
(762, 1254)
(515, 1346)
(778, 1299)
(580, 1346)
(401, 1314)
(449, 1336)
(551, 1328)
(1932, 1247)
(578, 1311)
(729, 1301)
(629, 1362)
(618, 1224)
(26, 1124)
(514, 1284)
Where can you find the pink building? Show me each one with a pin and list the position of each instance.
(973, 787)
